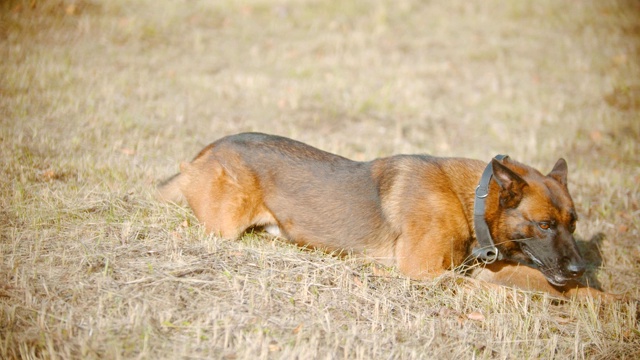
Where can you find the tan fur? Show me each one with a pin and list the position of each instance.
(413, 212)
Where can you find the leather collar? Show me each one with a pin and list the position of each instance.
(486, 251)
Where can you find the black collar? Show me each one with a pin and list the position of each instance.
(486, 251)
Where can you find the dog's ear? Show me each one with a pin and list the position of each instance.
(511, 184)
(559, 172)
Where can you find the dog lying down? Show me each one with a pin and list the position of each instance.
(422, 214)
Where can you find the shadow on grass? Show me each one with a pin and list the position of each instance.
(590, 250)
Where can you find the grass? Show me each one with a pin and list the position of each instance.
(101, 99)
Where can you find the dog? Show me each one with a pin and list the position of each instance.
(505, 221)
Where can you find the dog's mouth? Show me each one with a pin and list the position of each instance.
(552, 276)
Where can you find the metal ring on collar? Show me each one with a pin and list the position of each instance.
(481, 196)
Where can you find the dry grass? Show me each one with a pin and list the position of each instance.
(99, 99)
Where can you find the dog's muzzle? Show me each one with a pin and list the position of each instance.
(559, 269)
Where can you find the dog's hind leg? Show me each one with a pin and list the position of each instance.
(225, 195)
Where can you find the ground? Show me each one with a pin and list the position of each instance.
(99, 100)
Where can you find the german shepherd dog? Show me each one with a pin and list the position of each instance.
(417, 212)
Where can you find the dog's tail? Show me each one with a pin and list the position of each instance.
(170, 190)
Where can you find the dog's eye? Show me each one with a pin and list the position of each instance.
(544, 225)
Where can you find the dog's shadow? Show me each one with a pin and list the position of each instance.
(590, 250)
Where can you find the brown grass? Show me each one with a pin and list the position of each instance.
(100, 99)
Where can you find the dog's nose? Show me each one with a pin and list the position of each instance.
(575, 269)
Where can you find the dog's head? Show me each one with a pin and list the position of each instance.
(533, 219)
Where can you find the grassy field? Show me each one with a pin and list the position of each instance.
(99, 100)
